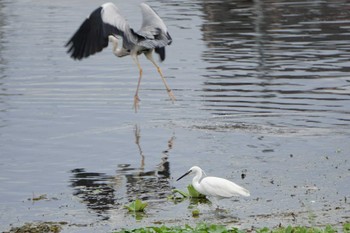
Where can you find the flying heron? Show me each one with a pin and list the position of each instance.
(106, 24)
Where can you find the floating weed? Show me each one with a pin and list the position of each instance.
(192, 193)
(41, 227)
(137, 206)
(38, 198)
(298, 229)
(41, 197)
(195, 213)
(202, 227)
(182, 193)
(346, 227)
(214, 228)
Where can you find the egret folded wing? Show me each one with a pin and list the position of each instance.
(220, 187)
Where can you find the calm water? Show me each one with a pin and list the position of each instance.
(262, 87)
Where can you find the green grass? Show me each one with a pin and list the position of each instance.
(213, 228)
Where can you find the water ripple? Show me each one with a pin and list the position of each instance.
(276, 58)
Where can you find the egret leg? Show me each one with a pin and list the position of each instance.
(136, 96)
(170, 92)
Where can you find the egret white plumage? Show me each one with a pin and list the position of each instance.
(106, 24)
(214, 186)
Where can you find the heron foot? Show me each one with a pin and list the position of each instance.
(171, 95)
(136, 102)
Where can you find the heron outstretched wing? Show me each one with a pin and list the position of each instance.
(92, 36)
(153, 30)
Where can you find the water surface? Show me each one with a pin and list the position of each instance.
(263, 98)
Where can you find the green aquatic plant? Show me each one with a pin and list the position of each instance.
(192, 193)
(298, 229)
(202, 227)
(38, 227)
(214, 228)
(38, 198)
(137, 206)
(346, 227)
(195, 213)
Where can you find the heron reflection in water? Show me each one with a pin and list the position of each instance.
(99, 191)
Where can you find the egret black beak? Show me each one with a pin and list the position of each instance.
(184, 175)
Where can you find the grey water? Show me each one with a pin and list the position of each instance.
(263, 99)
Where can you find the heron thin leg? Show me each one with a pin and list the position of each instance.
(136, 96)
(170, 92)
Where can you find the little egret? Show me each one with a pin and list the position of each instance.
(215, 187)
(106, 24)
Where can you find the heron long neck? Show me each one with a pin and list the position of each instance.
(117, 50)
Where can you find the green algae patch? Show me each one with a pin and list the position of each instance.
(40, 227)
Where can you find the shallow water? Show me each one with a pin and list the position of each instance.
(262, 88)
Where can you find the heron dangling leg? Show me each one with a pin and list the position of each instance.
(136, 96)
(170, 92)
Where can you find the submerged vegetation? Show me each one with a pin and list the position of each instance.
(213, 228)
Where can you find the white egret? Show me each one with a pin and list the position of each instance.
(106, 24)
(215, 187)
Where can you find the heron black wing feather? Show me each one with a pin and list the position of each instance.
(89, 38)
(92, 35)
(161, 52)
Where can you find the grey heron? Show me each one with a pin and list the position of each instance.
(214, 186)
(106, 24)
